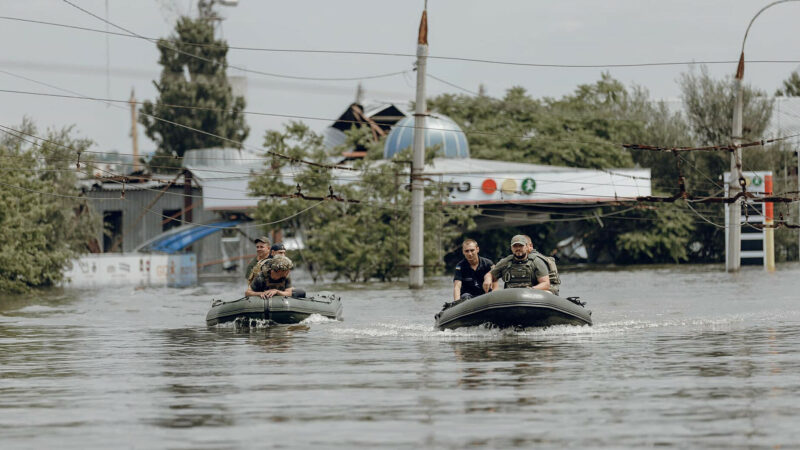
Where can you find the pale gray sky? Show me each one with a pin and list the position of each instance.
(557, 32)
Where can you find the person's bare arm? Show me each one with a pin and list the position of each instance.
(543, 283)
(456, 289)
(489, 281)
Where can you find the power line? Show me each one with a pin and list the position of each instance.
(237, 143)
(259, 72)
(411, 55)
(77, 96)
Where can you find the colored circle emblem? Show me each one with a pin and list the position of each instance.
(509, 186)
(757, 180)
(489, 186)
(528, 185)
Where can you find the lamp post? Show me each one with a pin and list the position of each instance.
(733, 260)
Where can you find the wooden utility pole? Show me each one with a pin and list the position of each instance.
(134, 132)
(416, 273)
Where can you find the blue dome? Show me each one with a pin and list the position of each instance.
(439, 130)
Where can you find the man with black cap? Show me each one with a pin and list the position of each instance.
(262, 254)
(277, 249)
(520, 271)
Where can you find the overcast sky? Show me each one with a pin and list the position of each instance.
(549, 32)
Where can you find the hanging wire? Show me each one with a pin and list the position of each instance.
(163, 43)
(411, 55)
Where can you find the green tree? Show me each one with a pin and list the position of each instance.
(193, 74)
(43, 222)
(584, 129)
(791, 86)
(709, 105)
(355, 241)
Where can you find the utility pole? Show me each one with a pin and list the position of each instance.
(416, 274)
(733, 260)
(134, 132)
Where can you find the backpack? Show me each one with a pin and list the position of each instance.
(552, 269)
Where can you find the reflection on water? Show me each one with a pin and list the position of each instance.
(715, 367)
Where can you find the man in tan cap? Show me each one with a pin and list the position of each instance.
(518, 270)
(262, 254)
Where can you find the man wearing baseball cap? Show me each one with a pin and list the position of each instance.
(518, 270)
(277, 249)
(262, 254)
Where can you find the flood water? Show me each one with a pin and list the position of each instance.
(688, 357)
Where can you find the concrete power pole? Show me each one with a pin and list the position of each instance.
(733, 260)
(416, 273)
(134, 132)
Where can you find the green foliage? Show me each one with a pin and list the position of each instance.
(355, 241)
(579, 130)
(583, 129)
(791, 86)
(646, 234)
(40, 233)
(194, 82)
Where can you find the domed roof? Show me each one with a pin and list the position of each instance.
(440, 129)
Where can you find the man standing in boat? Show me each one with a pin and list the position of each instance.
(262, 254)
(519, 270)
(274, 280)
(470, 272)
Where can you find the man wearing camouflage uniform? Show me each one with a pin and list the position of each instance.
(519, 270)
(262, 255)
(273, 279)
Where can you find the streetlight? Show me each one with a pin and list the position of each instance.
(733, 260)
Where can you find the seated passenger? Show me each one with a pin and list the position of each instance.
(520, 270)
(277, 249)
(470, 271)
(262, 254)
(274, 280)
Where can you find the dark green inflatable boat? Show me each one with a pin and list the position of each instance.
(282, 310)
(516, 307)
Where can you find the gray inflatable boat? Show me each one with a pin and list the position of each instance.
(282, 310)
(516, 307)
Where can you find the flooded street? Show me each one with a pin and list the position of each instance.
(686, 356)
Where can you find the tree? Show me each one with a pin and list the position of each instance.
(193, 74)
(43, 222)
(709, 105)
(356, 241)
(791, 86)
(583, 129)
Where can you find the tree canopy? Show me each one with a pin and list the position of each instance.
(43, 221)
(193, 74)
(355, 241)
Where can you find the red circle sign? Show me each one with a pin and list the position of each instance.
(489, 186)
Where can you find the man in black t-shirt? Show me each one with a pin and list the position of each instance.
(470, 271)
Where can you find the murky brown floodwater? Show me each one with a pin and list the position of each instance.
(686, 357)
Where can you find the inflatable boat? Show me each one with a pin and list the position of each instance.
(516, 307)
(282, 310)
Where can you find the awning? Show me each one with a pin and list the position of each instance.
(182, 237)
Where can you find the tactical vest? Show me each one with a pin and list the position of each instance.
(519, 274)
(552, 271)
